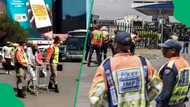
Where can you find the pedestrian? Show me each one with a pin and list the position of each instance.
(110, 45)
(122, 80)
(175, 76)
(53, 59)
(105, 42)
(96, 43)
(32, 76)
(7, 54)
(39, 57)
(88, 44)
(186, 44)
(135, 38)
(21, 63)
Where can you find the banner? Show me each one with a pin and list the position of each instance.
(17, 10)
(33, 15)
(40, 13)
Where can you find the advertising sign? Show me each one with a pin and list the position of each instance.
(40, 13)
(33, 15)
(17, 10)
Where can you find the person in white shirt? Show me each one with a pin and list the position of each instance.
(8, 54)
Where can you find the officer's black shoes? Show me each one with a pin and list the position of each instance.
(56, 89)
(21, 94)
(50, 85)
(88, 64)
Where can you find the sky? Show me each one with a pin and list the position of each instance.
(113, 9)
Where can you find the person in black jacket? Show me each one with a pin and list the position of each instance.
(88, 45)
(186, 44)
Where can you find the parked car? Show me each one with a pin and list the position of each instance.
(74, 44)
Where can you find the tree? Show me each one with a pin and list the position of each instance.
(11, 30)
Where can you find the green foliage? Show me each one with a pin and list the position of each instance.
(149, 34)
(11, 30)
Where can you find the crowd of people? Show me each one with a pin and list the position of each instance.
(99, 40)
(31, 63)
(123, 80)
(128, 80)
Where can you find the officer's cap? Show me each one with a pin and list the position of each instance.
(123, 38)
(171, 44)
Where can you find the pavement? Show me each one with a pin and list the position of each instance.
(66, 79)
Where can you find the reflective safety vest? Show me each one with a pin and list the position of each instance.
(55, 56)
(48, 54)
(20, 58)
(52, 55)
(129, 90)
(181, 88)
(97, 38)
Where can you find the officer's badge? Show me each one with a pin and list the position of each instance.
(167, 71)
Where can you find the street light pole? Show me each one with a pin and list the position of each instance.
(162, 31)
(162, 26)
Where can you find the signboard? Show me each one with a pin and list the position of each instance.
(40, 13)
(33, 15)
(18, 11)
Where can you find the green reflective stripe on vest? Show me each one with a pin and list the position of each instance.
(181, 88)
(56, 55)
(97, 35)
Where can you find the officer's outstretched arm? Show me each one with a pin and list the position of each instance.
(98, 89)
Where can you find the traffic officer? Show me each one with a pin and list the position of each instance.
(106, 38)
(21, 63)
(54, 60)
(96, 43)
(175, 75)
(122, 80)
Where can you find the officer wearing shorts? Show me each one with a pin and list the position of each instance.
(21, 63)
